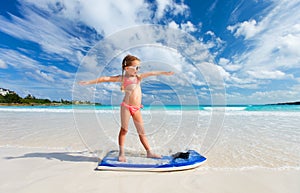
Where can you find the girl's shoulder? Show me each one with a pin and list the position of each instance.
(139, 77)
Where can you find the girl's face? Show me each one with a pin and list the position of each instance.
(133, 68)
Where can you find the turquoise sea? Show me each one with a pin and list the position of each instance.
(153, 107)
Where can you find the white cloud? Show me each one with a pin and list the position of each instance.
(213, 6)
(247, 29)
(111, 16)
(214, 43)
(3, 65)
(17, 60)
(171, 7)
(40, 76)
(50, 24)
(227, 65)
(108, 17)
(175, 53)
(188, 27)
(272, 46)
(52, 35)
(223, 72)
(264, 97)
(32, 68)
(52, 27)
(174, 25)
(224, 61)
(232, 67)
(268, 74)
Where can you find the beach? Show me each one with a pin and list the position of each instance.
(48, 150)
(58, 171)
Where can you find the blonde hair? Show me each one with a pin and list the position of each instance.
(127, 61)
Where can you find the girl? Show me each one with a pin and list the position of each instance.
(131, 104)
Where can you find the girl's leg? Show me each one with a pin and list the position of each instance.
(125, 116)
(138, 122)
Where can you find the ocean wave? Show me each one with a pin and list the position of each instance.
(273, 108)
(224, 108)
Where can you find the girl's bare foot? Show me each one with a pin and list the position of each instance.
(122, 158)
(152, 155)
(121, 154)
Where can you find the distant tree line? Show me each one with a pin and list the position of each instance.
(29, 99)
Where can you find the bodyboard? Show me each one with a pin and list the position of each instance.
(135, 162)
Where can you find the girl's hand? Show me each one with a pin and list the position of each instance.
(169, 73)
(83, 82)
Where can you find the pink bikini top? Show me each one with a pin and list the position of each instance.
(129, 81)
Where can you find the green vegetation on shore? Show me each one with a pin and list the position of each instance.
(14, 99)
(288, 103)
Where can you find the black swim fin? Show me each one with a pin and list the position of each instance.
(182, 155)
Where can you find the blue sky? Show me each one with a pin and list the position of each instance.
(47, 45)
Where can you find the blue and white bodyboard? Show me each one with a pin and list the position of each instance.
(180, 161)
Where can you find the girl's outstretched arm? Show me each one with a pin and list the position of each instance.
(156, 73)
(101, 79)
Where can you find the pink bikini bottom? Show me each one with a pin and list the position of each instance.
(132, 109)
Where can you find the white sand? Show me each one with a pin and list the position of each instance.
(30, 170)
